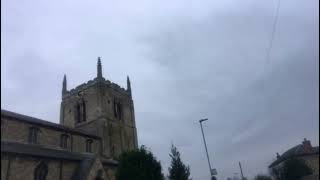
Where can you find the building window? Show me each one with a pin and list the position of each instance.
(64, 141)
(33, 135)
(41, 171)
(80, 113)
(117, 109)
(89, 145)
(84, 115)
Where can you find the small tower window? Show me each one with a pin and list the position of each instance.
(33, 135)
(80, 114)
(119, 111)
(64, 141)
(117, 108)
(89, 145)
(84, 116)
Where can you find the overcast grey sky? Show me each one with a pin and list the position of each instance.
(187, 60)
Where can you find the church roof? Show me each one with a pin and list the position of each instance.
(40, 122)
(41, 151)
(295, 151)
(86, 160)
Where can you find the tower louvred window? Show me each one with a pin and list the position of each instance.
(80, 113)
(83, 110)
(117, 108)
(120, 111)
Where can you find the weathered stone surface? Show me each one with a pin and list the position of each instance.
(117, 135)
(19, 132)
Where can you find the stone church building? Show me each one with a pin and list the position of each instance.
(96, 125)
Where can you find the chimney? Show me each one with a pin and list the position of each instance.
(306, 145)
(278, 156)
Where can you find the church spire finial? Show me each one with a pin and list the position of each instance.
(128, 85)
(99, 71)
(64, 85)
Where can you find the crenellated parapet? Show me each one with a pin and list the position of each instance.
(98, 80)
(94, 82)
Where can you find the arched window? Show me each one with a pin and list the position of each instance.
(120, 111)
(84, 116)
(64, 141)
(33, 135)
(89, 145)
(117, 109)
(41, 171)
(80, 111)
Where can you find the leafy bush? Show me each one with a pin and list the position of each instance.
(139, 164)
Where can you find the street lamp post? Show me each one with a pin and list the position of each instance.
(205, 145)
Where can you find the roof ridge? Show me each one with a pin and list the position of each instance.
(33, 120)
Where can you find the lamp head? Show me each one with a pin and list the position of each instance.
(201, 120)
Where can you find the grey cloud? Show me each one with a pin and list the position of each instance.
(186, 60)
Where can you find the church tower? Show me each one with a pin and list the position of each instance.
(102, 107)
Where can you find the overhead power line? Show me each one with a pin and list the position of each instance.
(275, 22)
(268, 53)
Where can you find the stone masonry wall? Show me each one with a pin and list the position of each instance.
(4, 166)
(68, 168)
(94, 169)
(19, 132)
(118, 135)
(23, 168)
(110, 172)
(91, 99)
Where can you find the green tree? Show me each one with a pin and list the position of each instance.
(294, 169)
(262, 177)
(177, 170)
(139, 164)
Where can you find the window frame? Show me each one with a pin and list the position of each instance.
(64, 139)
(117, 109)
(33, 135)
(80, 111)
(89, 143)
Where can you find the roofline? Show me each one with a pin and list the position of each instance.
(45, 151)
(276, 162)
(27, 119)
(41, 151)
